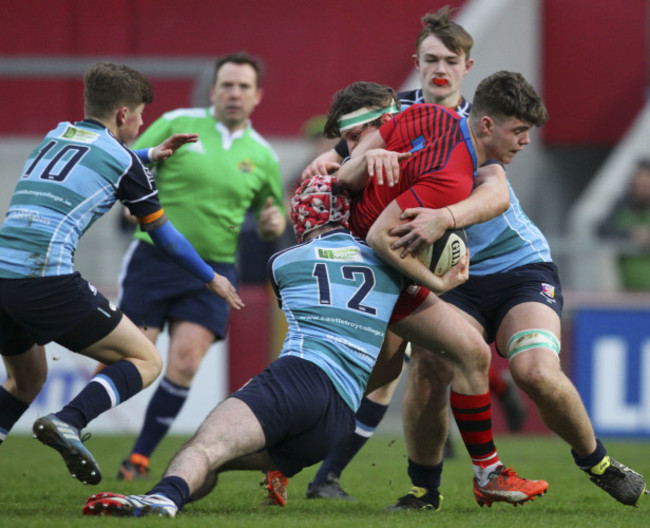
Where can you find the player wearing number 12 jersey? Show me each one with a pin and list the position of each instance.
(337, 296)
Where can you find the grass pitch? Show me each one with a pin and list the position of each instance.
(36, 490)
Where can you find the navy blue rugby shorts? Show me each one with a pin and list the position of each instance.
(488, 298)
(302, 415)
(66, 309)
(154, 291)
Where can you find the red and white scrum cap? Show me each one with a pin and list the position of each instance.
(316, 202)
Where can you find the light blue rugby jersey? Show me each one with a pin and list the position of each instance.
(71, 179)
(505, 242)
(337, 296)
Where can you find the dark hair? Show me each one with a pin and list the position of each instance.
(108, 86)
(507, 94)
(240, 57)
(356, 96)
(452, 35)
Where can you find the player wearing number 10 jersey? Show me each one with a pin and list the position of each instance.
(70, 180)
(73, 178)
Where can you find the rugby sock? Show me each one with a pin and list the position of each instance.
(163, 408)
(113, 385)
(174, 488)
(368, 417)
(427, 477)
(473, 415)
(11, 409)
(587, 462)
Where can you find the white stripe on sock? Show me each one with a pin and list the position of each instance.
(363, 432)
(108, 388)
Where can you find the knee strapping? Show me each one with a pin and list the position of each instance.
(532, 338)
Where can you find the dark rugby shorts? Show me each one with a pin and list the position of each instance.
(155, 291)
(488, 298)
(302, 415)
(66, 309)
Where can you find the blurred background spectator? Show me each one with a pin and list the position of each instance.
(629, 225)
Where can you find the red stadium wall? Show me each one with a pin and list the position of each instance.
(596, 70)
(310, 50)
(594, 54)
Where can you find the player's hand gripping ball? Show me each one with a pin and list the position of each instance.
(445, 252)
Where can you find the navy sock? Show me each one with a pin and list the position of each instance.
(587, 462)
(11, 409)
(163, 408)
(427, 477)
(110, 387)
(174, 488)
(368, 417)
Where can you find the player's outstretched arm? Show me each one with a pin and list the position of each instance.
(165, 149)
(354, 172)
(175, 246)
(222, 287)
(371, 160)
(170, 145)
(489, 198)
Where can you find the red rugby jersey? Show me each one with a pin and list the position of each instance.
(440, 171)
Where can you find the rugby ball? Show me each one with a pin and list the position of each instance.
(445, 252)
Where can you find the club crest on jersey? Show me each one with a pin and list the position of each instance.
(348, 254)
(246, 166)
(548, 291)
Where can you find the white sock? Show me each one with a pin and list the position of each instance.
(481, 474)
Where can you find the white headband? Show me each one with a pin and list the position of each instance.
(364, 115)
